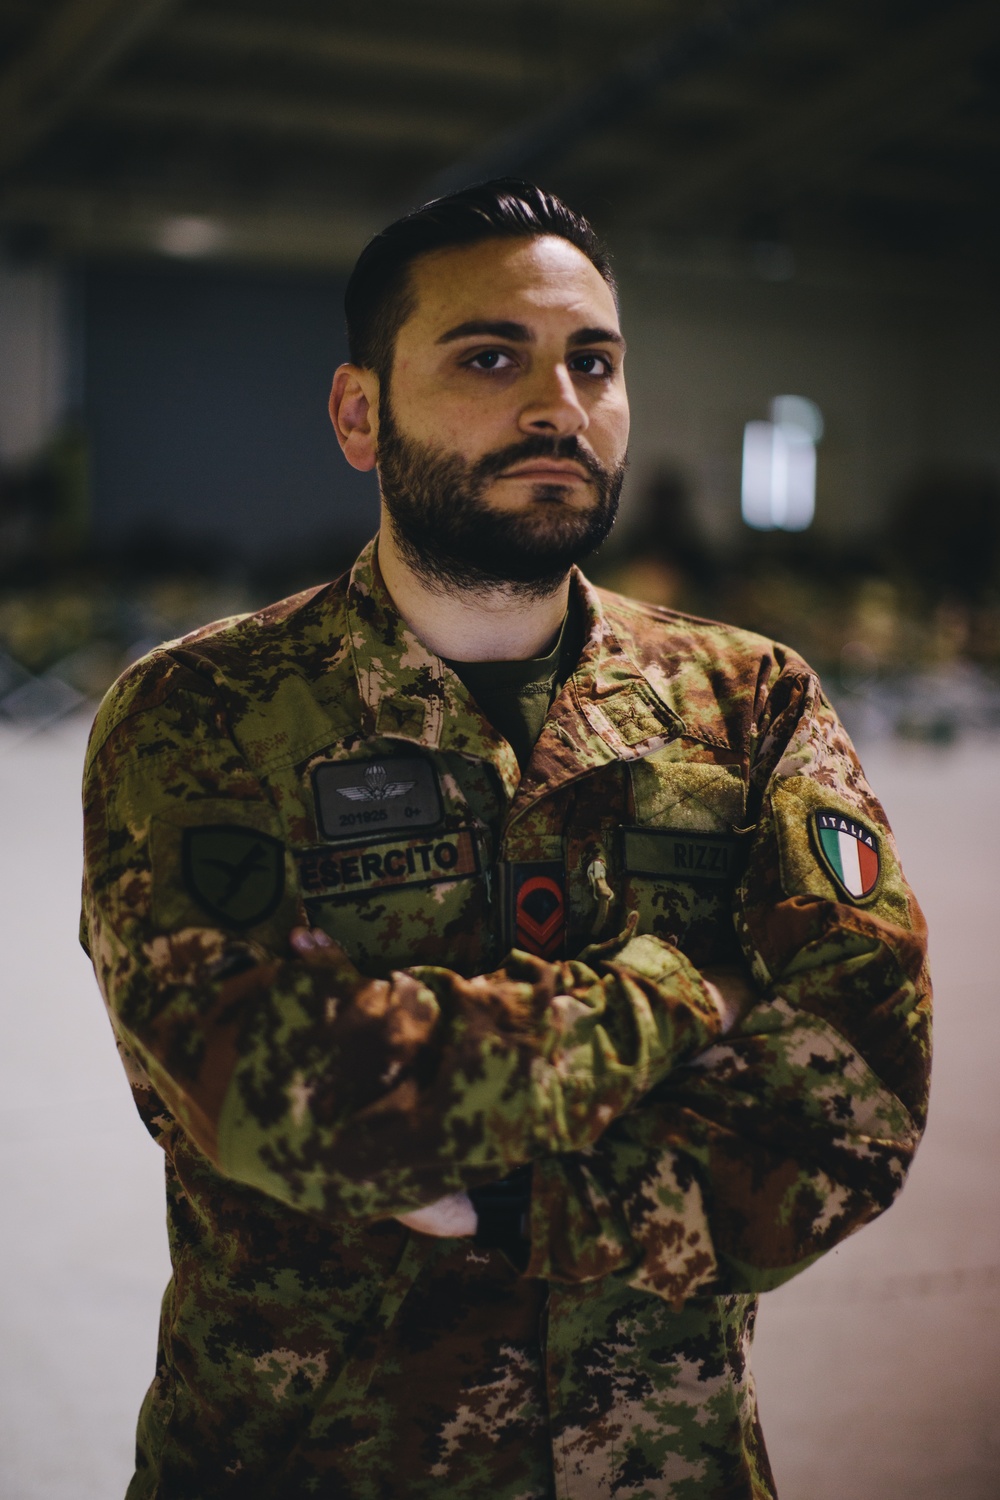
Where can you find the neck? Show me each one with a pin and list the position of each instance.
(495, 624)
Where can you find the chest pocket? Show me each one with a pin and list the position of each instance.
(683, 854)
(396, 872)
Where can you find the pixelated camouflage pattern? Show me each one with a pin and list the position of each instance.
(309, 1343)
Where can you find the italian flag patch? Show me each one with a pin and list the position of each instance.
(849, 850)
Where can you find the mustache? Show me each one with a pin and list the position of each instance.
(568, 448)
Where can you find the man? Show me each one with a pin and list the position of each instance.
(519, 979)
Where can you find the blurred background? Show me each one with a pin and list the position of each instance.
(803, 202)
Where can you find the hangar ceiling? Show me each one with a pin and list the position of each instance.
(285, 133)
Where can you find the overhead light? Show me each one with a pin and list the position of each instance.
(779, 466)
(798, 411)
(188, 235)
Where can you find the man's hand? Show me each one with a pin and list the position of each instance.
(448, 1218)
(451, 1216)
(731, 993)
(455, 1215)
(312, 944)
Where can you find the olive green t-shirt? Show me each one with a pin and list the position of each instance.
(516, 695)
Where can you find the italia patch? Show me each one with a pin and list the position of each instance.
(537, 902)
(235, 874)
(849, 850)
(356, 797)
(381, 864)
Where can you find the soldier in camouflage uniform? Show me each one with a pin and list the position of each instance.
(494, 1082)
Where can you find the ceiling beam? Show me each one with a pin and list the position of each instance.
(70, 53)
(626, 87)
(818, 140)
(84, 222)
(922, 187)
(266, 114)
(373, 51)
(102, 222)
(970, 135)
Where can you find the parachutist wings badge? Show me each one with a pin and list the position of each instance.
(374, 786)
(389, 793)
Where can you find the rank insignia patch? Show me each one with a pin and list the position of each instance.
(849, 850)
(538, 902)
(235, 874)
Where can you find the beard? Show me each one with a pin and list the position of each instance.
(453, 538)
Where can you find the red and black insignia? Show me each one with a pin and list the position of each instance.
(537, 903)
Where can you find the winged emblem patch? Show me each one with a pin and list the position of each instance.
(375, 786)
(376, 796)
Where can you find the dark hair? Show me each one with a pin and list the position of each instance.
(379, 297)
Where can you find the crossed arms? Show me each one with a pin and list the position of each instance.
(664, 1149)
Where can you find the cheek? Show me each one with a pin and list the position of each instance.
(467, 426)
(609, 428)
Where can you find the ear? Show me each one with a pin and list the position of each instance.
(354, 414)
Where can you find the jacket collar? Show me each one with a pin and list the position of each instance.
(408, 693)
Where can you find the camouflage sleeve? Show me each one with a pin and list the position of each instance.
(336, 1094)
(758, 1155)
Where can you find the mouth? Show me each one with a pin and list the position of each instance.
(545, 470)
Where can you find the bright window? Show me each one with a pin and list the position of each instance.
(779, 466)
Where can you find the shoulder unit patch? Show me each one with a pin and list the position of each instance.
(849, 850)
(235, 874)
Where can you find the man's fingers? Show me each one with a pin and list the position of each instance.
(307, 940)
(450, 1217)
(731, 993)
(313, 944)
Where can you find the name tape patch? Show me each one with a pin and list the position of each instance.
(849, 850)
(676, 854)
(382, 864)
(355, 797)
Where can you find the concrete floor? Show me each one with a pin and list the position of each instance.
(878, 1370)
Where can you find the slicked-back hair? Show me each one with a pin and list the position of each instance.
(379, 296)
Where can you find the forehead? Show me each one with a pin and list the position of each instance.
(526, 280)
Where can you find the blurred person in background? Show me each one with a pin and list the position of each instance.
(942, 550)
(518, 979)
(665, 559)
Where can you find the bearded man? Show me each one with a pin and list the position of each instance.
(519, 979)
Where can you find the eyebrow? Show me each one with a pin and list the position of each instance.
(520, 333)
(515, 333)
(595, 336)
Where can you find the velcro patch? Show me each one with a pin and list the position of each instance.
(355, 797)
(797, 805)
(537, 903)
(678, 854)
(235, 874)
(849, 850)
(382, 864)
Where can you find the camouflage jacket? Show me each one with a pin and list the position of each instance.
(315, 763)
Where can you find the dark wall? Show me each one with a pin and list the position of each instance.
(205, 401)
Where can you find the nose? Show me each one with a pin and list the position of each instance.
(552, 404)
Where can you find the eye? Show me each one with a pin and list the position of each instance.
(490, 359)
(598, 365)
